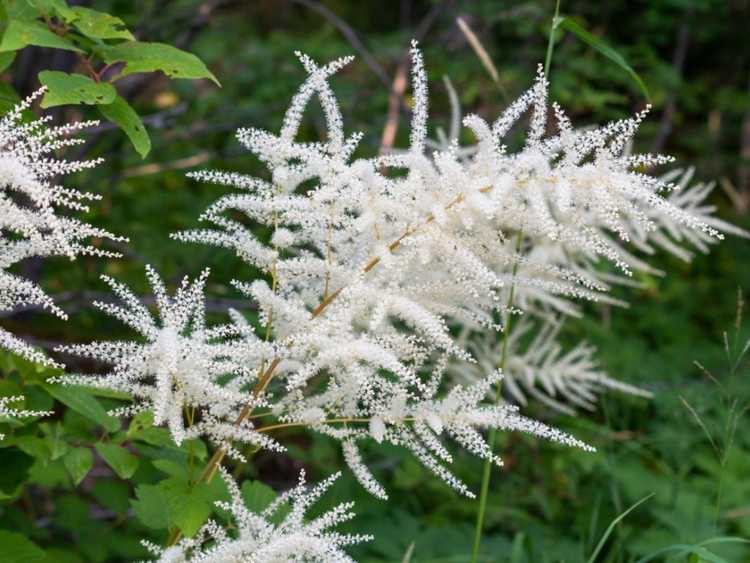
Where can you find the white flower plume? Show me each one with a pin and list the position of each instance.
(30, 203)
(180, 368)
(258, 538)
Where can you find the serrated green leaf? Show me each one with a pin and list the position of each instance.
(189, 507)
(119, 459)
(140, 56)
(257, 495)
(99, 25)
(78, 399)
(16, 548)
(120, 113)
(78, 462)
(150, 506)
(64, 88)
(593, 41)
(19, 34)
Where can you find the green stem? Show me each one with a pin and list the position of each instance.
(551, 40)
(486, 472)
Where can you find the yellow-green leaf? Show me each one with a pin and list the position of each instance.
(151, 57)
(124, 116)
(64, 88)
(99, 25)
(19, 34)
(56, 8)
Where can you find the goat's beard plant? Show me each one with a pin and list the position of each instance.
(372, 268)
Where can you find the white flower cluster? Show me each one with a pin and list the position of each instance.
(373, 266)
(386, 283)
(262, 538)
(30, 200)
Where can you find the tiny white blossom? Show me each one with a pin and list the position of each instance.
(261, 538)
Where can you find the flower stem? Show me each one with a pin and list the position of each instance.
(486, 472)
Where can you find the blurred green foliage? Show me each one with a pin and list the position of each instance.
(549, 504)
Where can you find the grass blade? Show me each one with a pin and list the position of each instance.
(612, 525)
(593, 41)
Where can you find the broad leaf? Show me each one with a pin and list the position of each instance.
(150, 506)
(20, 34)
(78, 462)
(119, 459)
(83, 403)
(16, 548)
(21, 10)
(120, 113)
(55, 8)
(99, 25)
(151, 57)
(257, 495)
(64, 88)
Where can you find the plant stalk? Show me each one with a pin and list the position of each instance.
(487, 470)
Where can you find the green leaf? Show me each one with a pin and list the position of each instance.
(78, 462)
(54, 8)
(17, 548)
(151, 57)
(189, 507)
(603, 48)
(172, 468)
(78, 399)
(64, 88)
(6, 59)
(112, 494)
(20, 34)
(16, 465)
(120, 113)
(8, 97)
(150, 506)
(22, 10)
(99, 25)
(119, 459)
(257, 495)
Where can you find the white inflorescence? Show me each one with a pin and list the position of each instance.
(396, 260)
(257, 538)
(180, 368)
(374, 265)
(30, 201)
(6, 411)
